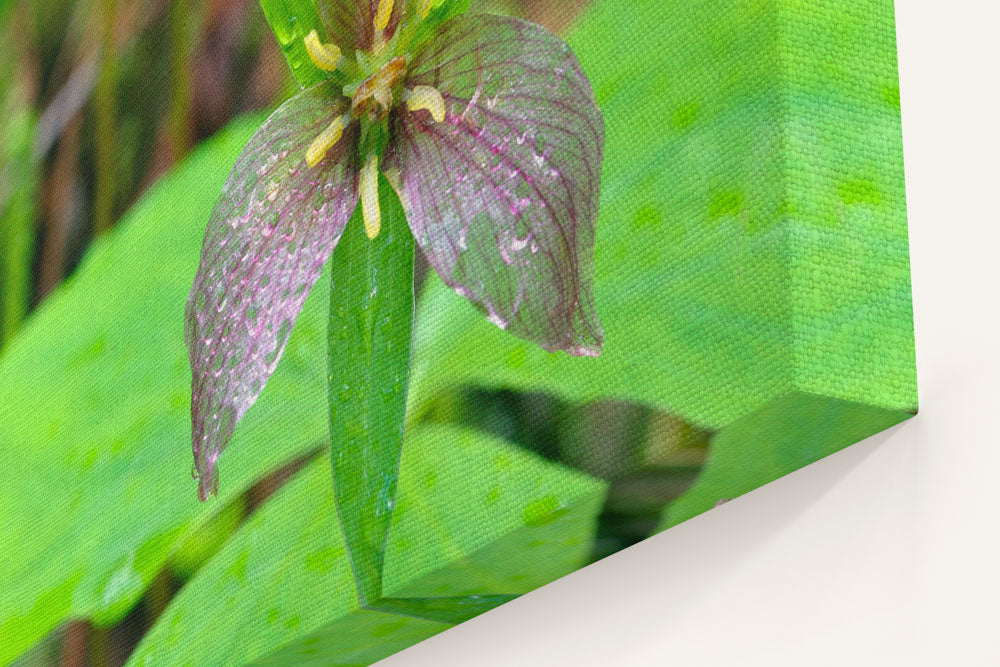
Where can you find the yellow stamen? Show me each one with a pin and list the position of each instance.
(368, 187)
(424, 8)
(382, 15)
(322, 144)
(324, 56)
(427, 97)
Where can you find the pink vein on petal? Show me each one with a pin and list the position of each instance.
(268, 238)
(502, 196)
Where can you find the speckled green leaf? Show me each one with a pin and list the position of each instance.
(752, 233)
(95, 415)
(473, 514)
(471, 507)
(446, 609)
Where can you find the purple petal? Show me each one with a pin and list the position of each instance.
(342, 23)
(350, 23)
(269, 236)
(502, 196)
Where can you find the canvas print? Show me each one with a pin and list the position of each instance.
(328, 325)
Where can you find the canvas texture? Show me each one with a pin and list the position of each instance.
(751, 274)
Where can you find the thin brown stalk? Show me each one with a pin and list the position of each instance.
(105, 114)
(181, 80)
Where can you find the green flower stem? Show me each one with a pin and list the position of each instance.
(369, 340)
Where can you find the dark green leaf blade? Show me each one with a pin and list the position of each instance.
(371, 327)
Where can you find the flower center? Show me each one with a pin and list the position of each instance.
(372, 98)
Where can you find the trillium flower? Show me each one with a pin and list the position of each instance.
(488, 131)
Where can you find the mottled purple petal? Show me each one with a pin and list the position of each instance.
(502, 196)
(271, 232)
(341, 20)
(350, 23)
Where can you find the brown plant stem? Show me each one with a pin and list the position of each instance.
(60, 203)
(74, 644)
(105, 114)
(182, 83)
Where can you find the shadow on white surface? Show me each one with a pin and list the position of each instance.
(886, 553)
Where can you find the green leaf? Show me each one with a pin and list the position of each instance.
(371, 327)
(95, 414)
(470, 507)
(752, 236)
(291, 21)
(473, 514)
(283, 571)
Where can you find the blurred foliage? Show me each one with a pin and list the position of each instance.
(19, 176)
(121, 91)
(103, 431)
(112, 85)
(787, 434)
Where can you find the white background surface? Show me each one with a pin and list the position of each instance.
(884, 554)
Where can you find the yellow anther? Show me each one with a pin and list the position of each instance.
(424, 8)
(324, 142)
(427, 97)
(382, 14)
(368, 187)
(324, 56)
